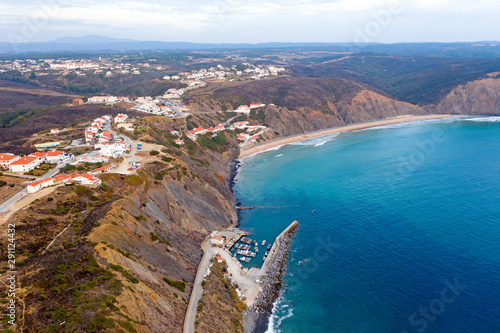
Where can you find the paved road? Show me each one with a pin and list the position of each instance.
(246, 283)
(197, 291)
(12, 200)
(122, 168)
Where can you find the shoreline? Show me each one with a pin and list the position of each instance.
(347, 128)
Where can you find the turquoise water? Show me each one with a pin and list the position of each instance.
(402, 213)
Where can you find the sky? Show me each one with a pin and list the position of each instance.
(253, 21)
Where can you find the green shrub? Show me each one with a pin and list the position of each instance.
(181, 285)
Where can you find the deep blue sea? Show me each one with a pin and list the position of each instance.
(406, 233)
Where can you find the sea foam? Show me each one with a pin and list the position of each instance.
(275, 319)
(493, 119)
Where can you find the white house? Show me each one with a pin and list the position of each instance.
(6, 159)
(25, 164)
(86, 179)
(217, 240)
(121, 118)
(39, 184)
(57, 156)
(54, 131)
(94, 129)
(102, 99)
(240, 124)
(198, 131)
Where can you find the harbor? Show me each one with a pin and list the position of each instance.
(256, 316)
(258, 285)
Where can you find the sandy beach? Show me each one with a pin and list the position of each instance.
(300, 137)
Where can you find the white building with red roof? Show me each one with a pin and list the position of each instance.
(25, 164)
(105, 137)
(57, 156)
(242, 136)
(179, 142)
(198, 131)
(240, 124)
(41, 155)
(6, 159)
(94, 129)
(86, 179)
(217, 240)
(89, 136)
(39, 184)
(121, 118)
(54, 131)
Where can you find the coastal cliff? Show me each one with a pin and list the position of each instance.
(130, 252)
(480, 97)
(297, 105)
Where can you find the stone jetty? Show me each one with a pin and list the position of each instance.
(256, 317)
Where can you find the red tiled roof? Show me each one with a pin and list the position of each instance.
(55, 153)
(38, 154)
(7, 157)
(25, 160)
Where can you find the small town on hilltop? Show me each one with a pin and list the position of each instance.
(119, 65)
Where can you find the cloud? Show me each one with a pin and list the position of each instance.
(252, 20)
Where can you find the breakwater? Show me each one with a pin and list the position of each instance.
(256, 317)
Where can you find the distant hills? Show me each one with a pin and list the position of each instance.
(490, 49)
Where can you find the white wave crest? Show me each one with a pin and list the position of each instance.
(319, 141)
(494, 119)
(275, 319)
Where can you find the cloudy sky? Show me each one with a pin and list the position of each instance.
(253, 20)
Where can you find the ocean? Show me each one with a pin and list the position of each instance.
(399, 228)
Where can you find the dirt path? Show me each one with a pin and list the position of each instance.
(40, 92)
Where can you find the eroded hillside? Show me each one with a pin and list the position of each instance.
(130, 249)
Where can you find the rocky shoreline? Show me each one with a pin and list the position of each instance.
(256, 317)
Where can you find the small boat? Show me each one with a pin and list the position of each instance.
(267, 252)
(263, 242)
(312, 211)
(256, 249)
(263, 258)
(269, 247)
(303, 261)
(255, 243)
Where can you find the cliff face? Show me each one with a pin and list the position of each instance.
(130, 255)
(480, 97)
(301, 104)
(161, 226)
(366, 106)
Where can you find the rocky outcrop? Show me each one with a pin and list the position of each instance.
(480, 97)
